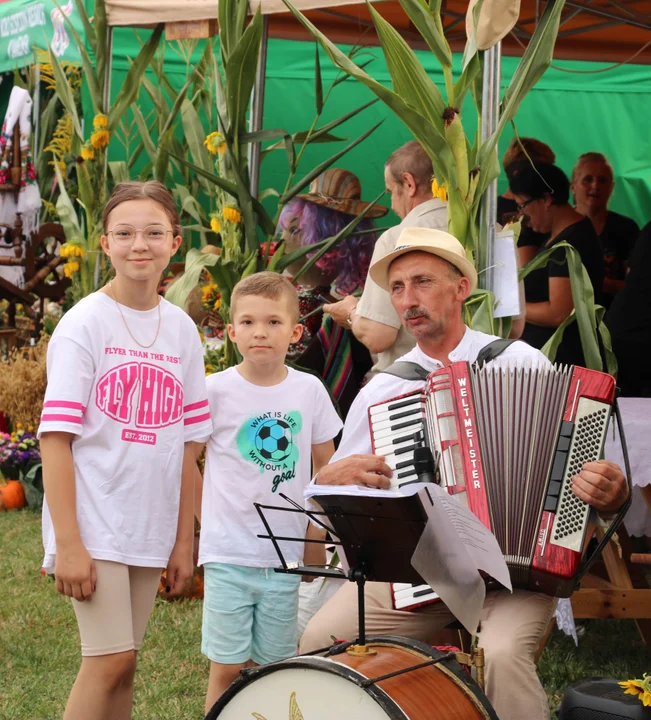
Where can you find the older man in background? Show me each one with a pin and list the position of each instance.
(408, 177)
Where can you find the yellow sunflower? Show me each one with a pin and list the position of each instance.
(70, 268)
(231, 214)
(100, 122)
(215, 225)
(87, 152)
(639, 688)
(215, 143)
(439, 191)
(100, 139)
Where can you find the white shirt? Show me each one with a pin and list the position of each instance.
(260, 447)
(357, 437)
(131, 411)
(375, 303)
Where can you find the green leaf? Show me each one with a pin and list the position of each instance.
(410, 81)
(240, 70)
(307, 179)
(427, 27)
(265, 222)
(325, 130)
(67, 214)
(318, 84)
(429, 136)
(194, 137)
(119, 171)
(176, 107)
(100, 25)
(65, 93)
(232, 19)
(471, 72)
(133, 80)
(195, 262)
(162, 162)
(148, 143)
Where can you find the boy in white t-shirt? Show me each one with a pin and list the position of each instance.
(269, 420)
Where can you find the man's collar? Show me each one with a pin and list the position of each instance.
(460, 352)
(422, 209)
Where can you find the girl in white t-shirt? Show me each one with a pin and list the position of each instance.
(125, 402)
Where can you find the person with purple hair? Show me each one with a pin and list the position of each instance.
(333, 201)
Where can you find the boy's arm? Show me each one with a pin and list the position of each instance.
(315, 553)
(74, 568)
(179, 567)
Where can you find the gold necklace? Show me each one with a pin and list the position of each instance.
(115, 300)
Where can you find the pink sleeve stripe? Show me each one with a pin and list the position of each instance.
(197, 419)
(61, 418)
(195, 406)
(64, 404)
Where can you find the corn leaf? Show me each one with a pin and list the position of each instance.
(318, 83)
(65, 93)
(428, 135)
(232, 19)
(145, 135)
(100, 49)
(66, 211)
(535, 60)
(410, 81)
(195, 262)
(194, 137)
(89, 67)
(479, 309)
(425, 24)
(132, 82)
(307, 179)
(240, 70)
(469, 75)
(119, 171)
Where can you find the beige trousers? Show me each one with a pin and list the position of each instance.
(511, 628)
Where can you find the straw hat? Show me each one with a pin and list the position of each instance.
(436, 242)
(340, 190)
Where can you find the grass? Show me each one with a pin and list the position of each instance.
(39, 653)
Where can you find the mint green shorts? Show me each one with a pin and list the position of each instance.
(249, 614)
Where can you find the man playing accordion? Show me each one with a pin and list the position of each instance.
(428, 278)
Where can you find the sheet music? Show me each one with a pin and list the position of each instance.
(454, 546)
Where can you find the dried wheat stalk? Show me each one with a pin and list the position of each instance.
(23, 379)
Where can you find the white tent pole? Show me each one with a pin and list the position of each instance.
(490, 105)
(257, 108)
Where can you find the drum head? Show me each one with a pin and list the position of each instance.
(313, 688)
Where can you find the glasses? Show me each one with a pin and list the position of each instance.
(523, 205)
(152, 234)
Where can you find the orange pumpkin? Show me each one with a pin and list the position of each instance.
(12, 495)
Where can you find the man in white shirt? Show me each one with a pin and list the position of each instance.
(408, 177)
(428, 278)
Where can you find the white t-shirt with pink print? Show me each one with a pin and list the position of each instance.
(131, 411)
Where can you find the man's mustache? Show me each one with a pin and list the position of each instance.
(414, 313)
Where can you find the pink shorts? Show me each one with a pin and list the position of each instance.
(115, 618)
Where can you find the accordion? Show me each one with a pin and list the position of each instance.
(506, 441)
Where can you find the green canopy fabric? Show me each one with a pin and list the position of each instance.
(26, 25)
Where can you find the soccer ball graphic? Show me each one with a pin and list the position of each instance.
(274, 440)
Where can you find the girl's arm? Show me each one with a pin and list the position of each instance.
(179, 567)
(74, 568)
(315, 553)
(557, 308)
(198, 481)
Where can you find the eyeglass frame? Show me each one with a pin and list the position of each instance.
(522, 206)
(142, 232)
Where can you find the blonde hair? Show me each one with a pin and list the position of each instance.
(595, 157)
(267, 285)
(150, 190)
(537, 150)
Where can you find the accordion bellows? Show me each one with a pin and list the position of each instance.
(507, 440)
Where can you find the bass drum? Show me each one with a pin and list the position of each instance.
(347, 687)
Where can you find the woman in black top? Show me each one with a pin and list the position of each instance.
(543, 194)
(592, 185)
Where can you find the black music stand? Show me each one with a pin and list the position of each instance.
(378, 537)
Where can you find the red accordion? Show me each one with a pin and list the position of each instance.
(506, 440)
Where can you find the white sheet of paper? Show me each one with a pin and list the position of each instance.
(453, 548)
(505, 276)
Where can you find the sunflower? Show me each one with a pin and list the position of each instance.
(100, 139)
(100, 122)
(87, 152)
(639, 688)
(439, 191)
(231, 214)
(215, 225)
(215, 143)
(70, 268)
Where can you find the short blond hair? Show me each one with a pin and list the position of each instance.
(595, 157)
(267, 285)
(537, 150)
